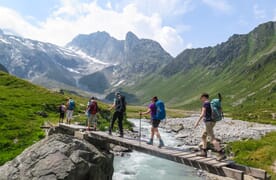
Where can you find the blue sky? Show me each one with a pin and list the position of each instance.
(175, 24)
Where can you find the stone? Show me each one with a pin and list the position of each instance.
(177, 128)
(60, 156)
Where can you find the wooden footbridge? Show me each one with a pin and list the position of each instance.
(211, 165)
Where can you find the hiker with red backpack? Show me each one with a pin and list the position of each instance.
(92, 110)
(211, 112)
(157, 111)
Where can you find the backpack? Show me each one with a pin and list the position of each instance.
(123, 104)
(71, 105)
(62, 108)
(160, 110)
(217, 114)
(93, 108)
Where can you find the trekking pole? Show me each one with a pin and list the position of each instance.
(140, 130)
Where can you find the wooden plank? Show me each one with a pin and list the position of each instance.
(255, 172)
(233, 173)
(181, 153)
(189, 155)
(204, 160)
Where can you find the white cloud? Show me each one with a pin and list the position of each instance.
(73, 18)
(164, 7)
(219, 5)
(259, 13)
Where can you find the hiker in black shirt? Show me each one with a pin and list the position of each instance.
(120, 108)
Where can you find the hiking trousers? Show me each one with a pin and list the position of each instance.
(120, 117)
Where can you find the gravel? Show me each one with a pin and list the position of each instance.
(227, 130)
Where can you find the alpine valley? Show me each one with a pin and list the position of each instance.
(243, 69)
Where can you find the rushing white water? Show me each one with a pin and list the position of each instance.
(139, 166)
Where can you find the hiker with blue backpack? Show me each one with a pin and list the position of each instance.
(69, 110)
(211, 112)
(157, 111)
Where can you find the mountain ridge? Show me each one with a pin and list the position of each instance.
(242, 69)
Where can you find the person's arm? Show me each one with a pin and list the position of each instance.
(147, 112)
(112, 106)
(203, 111)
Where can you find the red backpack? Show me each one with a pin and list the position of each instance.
(93, 107)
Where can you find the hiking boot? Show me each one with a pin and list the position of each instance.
(221, 155)
(202, 153)
(161, 143)
(121, 135)
(150, 142)
(110, 132)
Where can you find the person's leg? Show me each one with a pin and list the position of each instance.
(216, 143)
(88, 121)
(203, 149)
(67, 116)
(115, 115)
(212, 136)
(95, 122)
(62, 117)
(120, 123)
(150, 142)
(161, 143)
(70, 116)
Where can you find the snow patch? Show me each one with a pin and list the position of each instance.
(4, 41)
(87, 57)
(119, 83)
(72, 70)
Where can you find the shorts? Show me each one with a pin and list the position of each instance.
(69, 114)
(61, 115)
(155, 123)
(92, 119)
(209, 130)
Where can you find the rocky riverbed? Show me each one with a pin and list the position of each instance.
(227, 130)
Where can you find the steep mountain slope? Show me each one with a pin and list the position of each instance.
(2, 68)
(22, 105)
(243, 69)
(133, 58)
(44, 62)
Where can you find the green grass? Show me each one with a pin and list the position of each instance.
(19, 122)
(256, 153)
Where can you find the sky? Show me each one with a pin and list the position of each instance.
(175, 24)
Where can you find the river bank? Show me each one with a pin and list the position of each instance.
(227, 130)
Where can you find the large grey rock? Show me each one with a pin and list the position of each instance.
(59, 157)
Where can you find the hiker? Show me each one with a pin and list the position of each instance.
(206, 116)
(120, 108)
(70, 106)
(62, 110)
(155, 121)
(92, 110)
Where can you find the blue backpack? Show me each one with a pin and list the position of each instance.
(217, 113)
(160, 110)
(71, 105)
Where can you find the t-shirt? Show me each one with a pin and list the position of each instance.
(208, 114)
(62, 108)
(118, 105)
(153, 111)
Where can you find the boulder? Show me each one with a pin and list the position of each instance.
(177, 128)
(59, 157)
